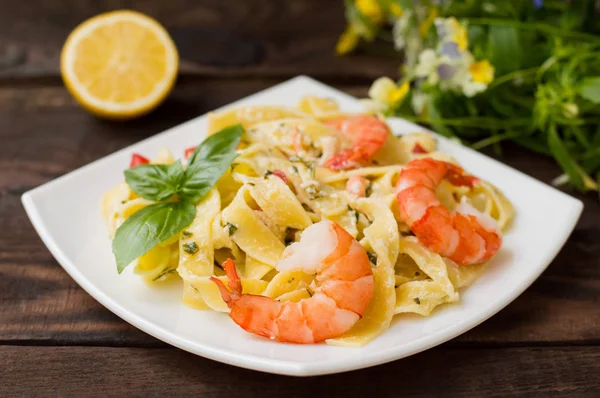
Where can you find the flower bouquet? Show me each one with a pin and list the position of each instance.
(484, 72)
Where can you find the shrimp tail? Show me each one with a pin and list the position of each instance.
(458, 177)
(225, 295)
(235, 284)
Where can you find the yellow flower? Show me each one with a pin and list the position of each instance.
(459, 36)
(399, 93)
(370, 9)
(385, 94)
(396, 10)
(426, 24)
(482, 71)
(347, 41)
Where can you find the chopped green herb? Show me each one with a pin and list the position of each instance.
(372, 257)
(251, 184)
(194, 287)
(313, 193)
(187, 234)
(190, 248)
(417, 300)
(311, 168)
(233, 166)
(123, 202)
(231, 228)
(353, 213)
(165, 272)
(268, 173)
(295, 169)
(369, 189)
(309, 165)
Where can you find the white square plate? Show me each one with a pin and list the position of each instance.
(65, 213)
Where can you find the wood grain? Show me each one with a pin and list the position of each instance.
(214, 38)
(45, 134)
(444, 371)
(55, 340)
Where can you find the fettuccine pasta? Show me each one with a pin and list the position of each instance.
(299, 167)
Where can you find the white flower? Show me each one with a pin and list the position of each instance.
(570, 110)
(427, 63)
(418, 102)
(427, 66)
(414, 45)
(400, 30)
(471, 88)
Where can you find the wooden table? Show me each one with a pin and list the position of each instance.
(57, 340)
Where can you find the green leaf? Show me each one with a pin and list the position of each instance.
(560, 153)
(200, 177)
(590, 89)
(148, 227)
(224, 141)
(155, 181)
(504, 49)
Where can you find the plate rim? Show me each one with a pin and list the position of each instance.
(277, 366)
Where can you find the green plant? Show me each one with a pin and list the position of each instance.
(485, 72)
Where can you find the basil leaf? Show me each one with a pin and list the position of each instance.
(155, 181)
(590, 89)
(200, 177)
(148, 227)
(225, 141)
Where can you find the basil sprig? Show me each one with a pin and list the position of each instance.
(177, 189)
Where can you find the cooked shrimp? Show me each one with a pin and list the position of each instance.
(367, 133)
(466, 235)
(357, 185)
(343, 288)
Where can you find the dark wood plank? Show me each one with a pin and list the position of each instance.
(448, 372)
(236, 38)
(44, 134)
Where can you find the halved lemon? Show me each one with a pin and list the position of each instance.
(120, 64)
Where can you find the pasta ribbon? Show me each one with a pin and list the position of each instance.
(422, 296)
(250, 233)
(196, 247)
(279, 203)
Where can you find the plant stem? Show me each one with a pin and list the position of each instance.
(474, 121)
(512, 76)
(536, 26)
(494, 139)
